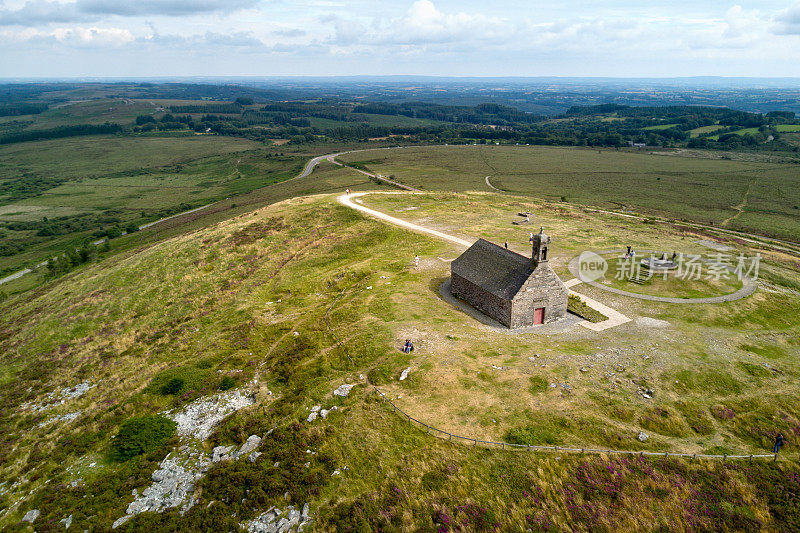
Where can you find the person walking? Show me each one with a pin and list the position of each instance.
(778, 443)
(530, 239)
(506, 245)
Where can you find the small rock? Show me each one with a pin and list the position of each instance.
(66, 521)
(316, 408)
(404, 374)
(343, 390)
(253, 457)
(584, 369)
(643, 436)
(31, 515)
(304, 514)
(311, 416)
(119, 521)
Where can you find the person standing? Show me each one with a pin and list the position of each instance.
(506, 245)
(778, 443)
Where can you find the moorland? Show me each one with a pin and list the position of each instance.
(276, 293)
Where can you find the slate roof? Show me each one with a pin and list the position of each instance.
(492, 267)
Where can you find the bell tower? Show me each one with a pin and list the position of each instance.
(541, 247)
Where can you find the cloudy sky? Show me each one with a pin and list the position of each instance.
(61, 38)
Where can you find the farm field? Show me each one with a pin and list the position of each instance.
(748, 196)
(266, 298)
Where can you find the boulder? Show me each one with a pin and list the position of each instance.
(643, 436)
(31, 515)
(250, 445)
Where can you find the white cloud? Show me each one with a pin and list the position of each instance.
(37, 12)
(76, 37)
(787, 22)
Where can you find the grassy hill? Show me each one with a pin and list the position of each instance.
(293, 300)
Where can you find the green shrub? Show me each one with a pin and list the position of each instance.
(227, 383)
(141, 435)
(173, 386)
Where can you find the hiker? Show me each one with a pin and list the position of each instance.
(530, 239)
(527, 219)
(506, 245)
(674, 255)
(778, 443)
(629, 250)
(410, 347)
(416, 260)
(407, 346)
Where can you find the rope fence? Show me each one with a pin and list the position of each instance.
(446, 435)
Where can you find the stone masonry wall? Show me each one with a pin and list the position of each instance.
(482, 300)
(542, 289)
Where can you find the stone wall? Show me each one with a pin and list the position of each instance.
(542, 289)
(481, 299)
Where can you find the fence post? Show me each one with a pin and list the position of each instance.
(476, 442)
(694, 456)
(751, 457)
(502, 445)
(724, 457)
(666, 454)
(776, 458)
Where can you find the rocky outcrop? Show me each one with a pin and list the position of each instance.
(199, 417)
(277, 521)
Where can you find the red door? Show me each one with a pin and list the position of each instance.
(538, 316)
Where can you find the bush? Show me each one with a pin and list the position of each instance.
(227, 383)
(141, 435)
(173, 386)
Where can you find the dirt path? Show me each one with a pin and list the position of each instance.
(739, 208)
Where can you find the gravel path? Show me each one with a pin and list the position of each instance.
(748, 287)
